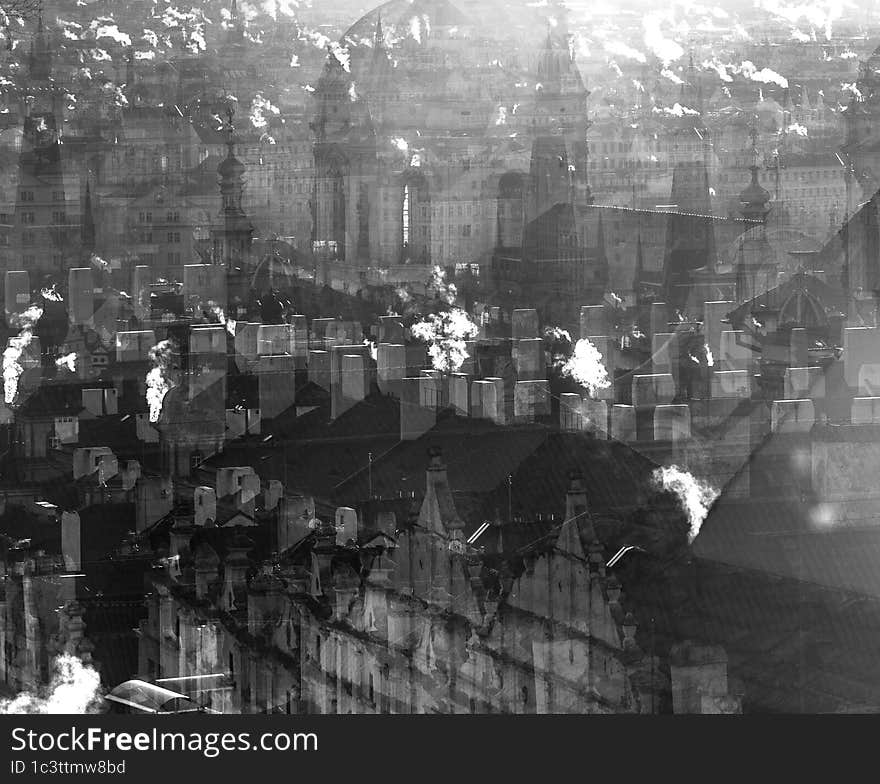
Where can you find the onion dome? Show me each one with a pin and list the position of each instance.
(754, 200)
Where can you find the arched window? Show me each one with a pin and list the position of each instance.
(415, 219)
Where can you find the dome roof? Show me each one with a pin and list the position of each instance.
(754, 199)
(230, 167)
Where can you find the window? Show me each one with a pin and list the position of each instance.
(59, 218)
(27, 195)
(27, 218)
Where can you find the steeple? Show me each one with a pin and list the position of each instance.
(754, 200)
(640, 269)
(87, 230)
(235, 32)
(379, 37)
(232, 240)
(129, 68)
(576, 510)
(40, 59)
(438, 512)
(549, 71)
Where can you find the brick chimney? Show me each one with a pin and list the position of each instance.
(204, 506)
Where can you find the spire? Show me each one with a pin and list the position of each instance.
(754, 199)
(438, 512)
(640, 268)
(129, 68)
(577, 512)
(87, 230)
(40, 61)
(379, 37)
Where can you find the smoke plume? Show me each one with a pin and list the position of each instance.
(161, 379)
(694, 495)
(585, 366)
(12, 367)
(74, 689)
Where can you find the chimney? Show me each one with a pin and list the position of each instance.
(130, 474)
(354, 379)
(145, 430)
(232, 479)
(236, 423)
(108, 467)
(93, 401)
(346, 525)
(204, 506)
(86, 461)
(253, 421)
(111, 401)
(71, 541)
(272, 493)
(415, 418)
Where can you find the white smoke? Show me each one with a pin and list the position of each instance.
(113, 31)
(668, 73)
(557, 334)
(218, 313)
(764, 75)
(75, 689)
(694, 495)
(374, 349)
(51, 294)
(12, 367)
(676, 110)
(620, 49)
(586, 368)
(446, 291)
(445, 335)
(665, 49)
(161, 379)
(260, 107)
(67, 361)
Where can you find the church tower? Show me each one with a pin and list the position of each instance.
(690, 230)
(343, 192)
(45, 239)
(233, 235)
(756, 269)
(559, 161)
(861, 147)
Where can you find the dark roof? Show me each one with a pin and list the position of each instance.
(480, 456)
(52, 400)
